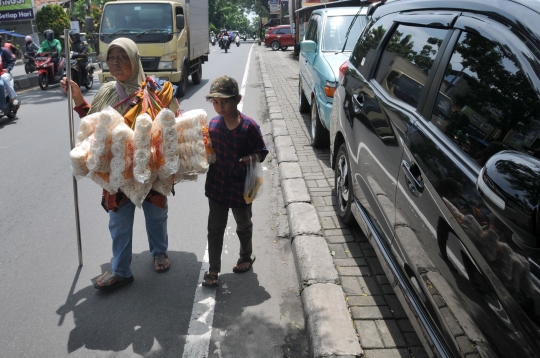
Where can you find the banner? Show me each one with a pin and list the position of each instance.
(274, 6)
(11, 10)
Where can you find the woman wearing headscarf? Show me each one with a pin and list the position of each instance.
(124, 64)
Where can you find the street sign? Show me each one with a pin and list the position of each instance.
(22, 10)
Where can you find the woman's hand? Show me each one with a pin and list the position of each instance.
(75, 90)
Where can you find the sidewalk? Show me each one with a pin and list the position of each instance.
(351, 309)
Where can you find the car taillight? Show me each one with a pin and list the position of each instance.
(342, 69)
(330, 88)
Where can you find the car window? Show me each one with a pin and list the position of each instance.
(364, 51)
(312, 28)
(335, 31)
(285, 31)
(485, 102)
(406, 61)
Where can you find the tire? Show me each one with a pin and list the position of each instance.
(90, 81)
(304, 105)
(182, 85)
(274, 45)
(196, 77)
(343, 186)
(320, 138)
(43, 81)
(27, 68)
(284, 48)
(225, 49)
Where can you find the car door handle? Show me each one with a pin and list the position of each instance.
(414, 178)
(358, 102)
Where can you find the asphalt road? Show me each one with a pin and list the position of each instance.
(49, 306)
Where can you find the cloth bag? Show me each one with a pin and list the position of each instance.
(254, 181)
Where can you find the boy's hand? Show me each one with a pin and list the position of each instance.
(254, 156)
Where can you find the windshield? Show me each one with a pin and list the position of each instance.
(135, 18)
(336, 29)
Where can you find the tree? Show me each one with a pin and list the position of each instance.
(52, 17)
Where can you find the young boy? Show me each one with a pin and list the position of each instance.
(235, 138)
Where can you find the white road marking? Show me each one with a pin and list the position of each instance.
(202, 313)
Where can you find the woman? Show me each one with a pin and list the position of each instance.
(124, 63)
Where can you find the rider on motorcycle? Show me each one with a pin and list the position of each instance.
(6, 65)
(52, 45)
(30, 46)
(80, 50)
(11, 48)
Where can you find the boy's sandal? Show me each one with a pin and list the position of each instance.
(212, 277)
(159, 263)
(251, 260)
(119, 281)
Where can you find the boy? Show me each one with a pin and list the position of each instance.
(235, 138)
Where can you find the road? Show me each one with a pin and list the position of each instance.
(49, 306)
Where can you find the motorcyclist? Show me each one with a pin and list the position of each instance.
(6, 65)
(11, 48)
(30, 46)
(52, 45)
(80, 50)
(223, 33)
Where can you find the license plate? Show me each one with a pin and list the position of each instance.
(25, 60)
(41, 58)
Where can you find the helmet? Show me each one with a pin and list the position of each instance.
(49, 34)
(75, 36)
(28, 38)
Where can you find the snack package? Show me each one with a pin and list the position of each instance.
(88, 125)
(165, 144)
(254, 181)
(178, 178)
(78, 156)
(122, 149)
(142, 158)
(103, 180)
(163, 186)
(192, 151)
(100, 150)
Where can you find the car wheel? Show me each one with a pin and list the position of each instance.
(197, 76)
(284, 48)
(275, 46)
(304, 105)
(343, 186)
(320, 138)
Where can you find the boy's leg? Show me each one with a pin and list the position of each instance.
(244, 229)
(121, 228)
(156, 229)
(217, 222)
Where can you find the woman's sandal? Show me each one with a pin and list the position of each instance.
(158, 261)
(120, 281)
(251, 260)
(212, 277)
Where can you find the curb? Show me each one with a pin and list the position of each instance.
(329, 324)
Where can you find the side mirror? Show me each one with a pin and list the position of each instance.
(88, 24)
(308, 46)
(180, 22)
(509, 184)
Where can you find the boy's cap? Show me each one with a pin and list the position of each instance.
(223, 87)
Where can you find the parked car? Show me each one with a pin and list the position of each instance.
(435, 117)
(328, 41)
(279, 37)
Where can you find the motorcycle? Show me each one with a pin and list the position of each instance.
(46, 73)
(29, 62)
(237, 41)
(11, 110)
(225, 43)
(213, 40)
(76, 74)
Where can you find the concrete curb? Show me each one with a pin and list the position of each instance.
(328, 322)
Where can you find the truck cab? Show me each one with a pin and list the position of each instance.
(170, 36)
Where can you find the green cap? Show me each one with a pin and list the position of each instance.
(223, 87)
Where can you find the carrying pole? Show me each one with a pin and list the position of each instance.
(72, 139)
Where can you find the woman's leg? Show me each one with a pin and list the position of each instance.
(156, 227)
(121, 228)
(217, 222)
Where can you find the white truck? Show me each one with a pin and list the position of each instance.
(172, 37)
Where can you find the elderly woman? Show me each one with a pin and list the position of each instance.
(124, 63)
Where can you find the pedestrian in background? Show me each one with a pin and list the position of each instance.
(236, 139)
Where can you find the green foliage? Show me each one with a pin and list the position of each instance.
(52, 17)
(232, 14)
